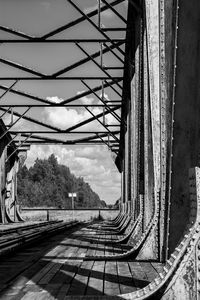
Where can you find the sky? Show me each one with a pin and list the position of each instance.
(36, 18)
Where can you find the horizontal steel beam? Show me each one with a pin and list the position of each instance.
(61, 105)
(65, 143)
(113, 29)
(62, 78)
(55, 132)
(81, 19)
(67, 209)
(60, 41)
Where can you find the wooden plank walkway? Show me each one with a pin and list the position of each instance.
(55, 269)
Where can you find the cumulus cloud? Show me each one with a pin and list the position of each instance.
(54, 99)
(67, 117)
(84, 99)
(94, 164)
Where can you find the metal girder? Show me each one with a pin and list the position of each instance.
(112, 82)
(115, 11)
(111, 104)
(81, 19)
(109, 48)
(60, 41)
(50, 132)
(90, 120)
(8, 89)
(94, 25)
(98, 65)
(66, 101)
(15, 32)
(31, 120)
(18, 146)
(103, 124)
(87, 59)
(10, 126)
(87, 93)
(20, 67)
(62, 28)
(47, 77)
(104, 102)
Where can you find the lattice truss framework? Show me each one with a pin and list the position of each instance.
(102, 55)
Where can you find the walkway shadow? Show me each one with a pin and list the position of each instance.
(34, 274)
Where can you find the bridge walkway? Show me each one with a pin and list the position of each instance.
(55, 268)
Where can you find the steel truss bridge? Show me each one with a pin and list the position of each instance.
(144, 76)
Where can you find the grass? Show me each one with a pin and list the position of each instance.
(86, 215)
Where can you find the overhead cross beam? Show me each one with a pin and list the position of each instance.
(111, 79)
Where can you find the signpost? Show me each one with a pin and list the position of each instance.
(72, 195)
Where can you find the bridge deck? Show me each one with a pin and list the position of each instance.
(54, 269)
(8, 226)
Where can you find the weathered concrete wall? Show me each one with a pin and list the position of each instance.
(186, 137)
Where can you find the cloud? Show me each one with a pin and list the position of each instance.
(54, 99)
(93, 163)
(84, 99)
(67, 117)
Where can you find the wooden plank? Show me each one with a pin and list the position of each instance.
(108, 248)
(62, 291)
(157, 266)
(26, 269)
(149, 270)
(139, 276)
(80, 280)
(56, 267)
(126, 281)
(60, 254)
(111, 281)
(67, 271)
(96, 279)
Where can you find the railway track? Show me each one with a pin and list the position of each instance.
(13, 239)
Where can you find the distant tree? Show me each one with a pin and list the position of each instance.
(116, 205)
(48, 183)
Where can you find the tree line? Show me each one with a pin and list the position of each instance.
(48, 183)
